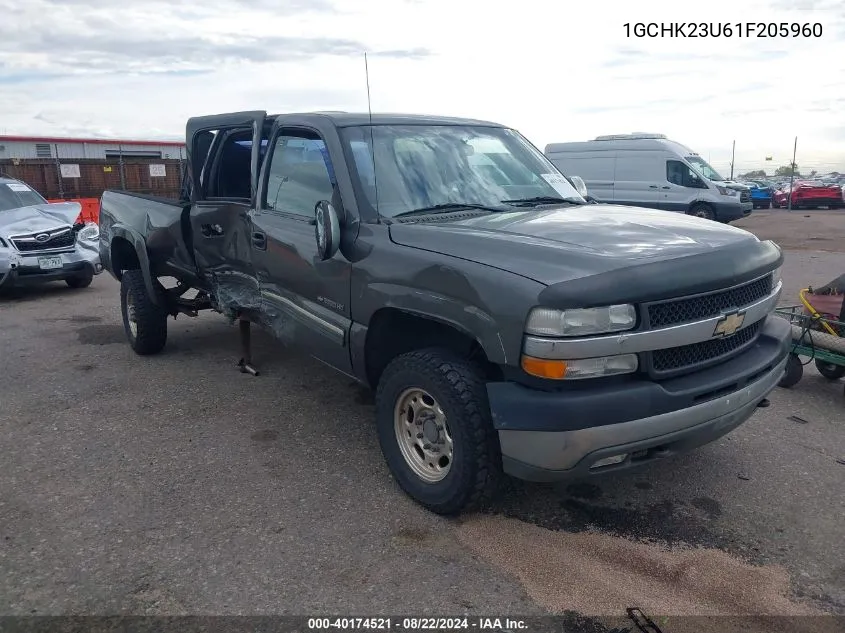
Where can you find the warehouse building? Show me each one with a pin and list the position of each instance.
(31, 147)
(82, 168)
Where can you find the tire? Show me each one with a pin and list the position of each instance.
(150, 320)
(81, 281)
(474, 470)
(829, 370)
(793, 374)
(702, 210)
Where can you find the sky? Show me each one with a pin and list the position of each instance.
(556, 71)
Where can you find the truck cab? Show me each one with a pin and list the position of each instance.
(506, 325)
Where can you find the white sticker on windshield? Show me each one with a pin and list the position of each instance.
(559, 182)
(14, 186)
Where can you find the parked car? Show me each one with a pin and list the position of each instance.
(808, 194)
(503, 322)
(649, 170)
(761, 195)
(42, 241)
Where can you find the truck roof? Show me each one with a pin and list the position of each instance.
(349, 119)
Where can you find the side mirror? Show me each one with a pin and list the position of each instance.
(327, 229)
(579, 185)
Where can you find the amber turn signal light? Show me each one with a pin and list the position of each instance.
(544, 368)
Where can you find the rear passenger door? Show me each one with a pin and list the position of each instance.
(307, 299)
(223, 157)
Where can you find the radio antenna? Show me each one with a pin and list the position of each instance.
(372, 137)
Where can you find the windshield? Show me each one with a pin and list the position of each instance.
(424, 166)
(14, 195)
(703, 168)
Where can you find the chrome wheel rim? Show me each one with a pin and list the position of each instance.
(423, 435)
(131, 315)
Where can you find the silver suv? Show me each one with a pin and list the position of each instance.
(42, 241)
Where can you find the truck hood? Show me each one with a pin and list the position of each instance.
(39, 217)
(567, 243)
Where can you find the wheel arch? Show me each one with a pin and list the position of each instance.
(393, 331)
(128, 251)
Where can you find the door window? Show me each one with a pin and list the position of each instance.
(299, 175)
(679, 173)
(231, 172)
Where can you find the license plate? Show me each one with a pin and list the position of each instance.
(49, 263)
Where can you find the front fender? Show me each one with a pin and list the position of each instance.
(463, 316)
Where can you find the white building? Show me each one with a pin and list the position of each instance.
(33, 147)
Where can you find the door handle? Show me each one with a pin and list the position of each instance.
(211, 230)
(667, 187)
(652, 186)
(259, 240)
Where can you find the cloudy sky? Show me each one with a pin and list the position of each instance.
(557, 71)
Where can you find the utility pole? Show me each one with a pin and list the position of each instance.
(733, 154)
(120, 166)
(59, 171)
(792, 172)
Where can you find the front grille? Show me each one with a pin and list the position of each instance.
(706, 306)
(676, 359)
(61, 238)
(744, 196)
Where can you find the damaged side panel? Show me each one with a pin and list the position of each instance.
(221, 235)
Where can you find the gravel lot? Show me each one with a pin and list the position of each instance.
(175, 484)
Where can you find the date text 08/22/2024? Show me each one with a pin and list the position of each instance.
(416, 624)
(723, 29)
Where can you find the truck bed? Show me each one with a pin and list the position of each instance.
(161, 226)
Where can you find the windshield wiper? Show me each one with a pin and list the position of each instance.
(447, 208)
(538, 200)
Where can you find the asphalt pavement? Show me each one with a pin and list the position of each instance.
(176, 485)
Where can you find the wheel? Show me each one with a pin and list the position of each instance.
(702, 210)
(145, 322)
(794, 372)
(436, 432)
(829, 370)
(81, 281)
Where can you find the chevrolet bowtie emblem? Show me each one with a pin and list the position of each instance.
(729, 324)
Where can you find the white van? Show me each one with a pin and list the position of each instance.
(649, 170)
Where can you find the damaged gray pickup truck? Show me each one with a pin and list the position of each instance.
(505, 324)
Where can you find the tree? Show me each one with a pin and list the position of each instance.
(813, 173)
(751, 175)
(788, 170)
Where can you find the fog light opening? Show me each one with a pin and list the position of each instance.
(609, 461)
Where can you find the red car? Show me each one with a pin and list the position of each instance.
(808, 194)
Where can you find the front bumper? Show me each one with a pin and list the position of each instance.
(19, 269)
(551, 436)
(734, 210)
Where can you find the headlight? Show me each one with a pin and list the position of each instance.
(776, 277)
(726, 191)
(580, 368)
(581, 321)
(90, 233)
